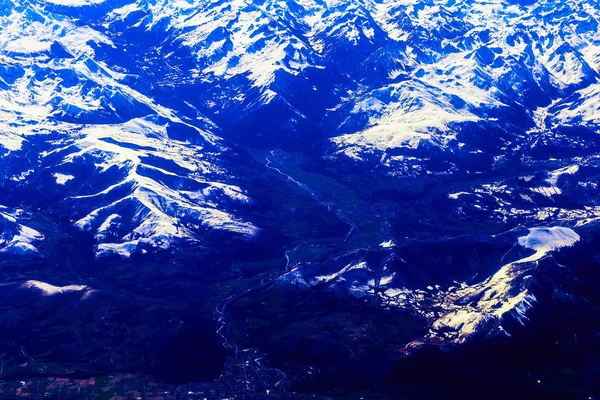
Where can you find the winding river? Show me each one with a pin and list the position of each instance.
(224, 323)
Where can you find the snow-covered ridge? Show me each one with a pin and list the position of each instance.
(491, 60)
(129, 169)
(150, 204)
(391, 81)
(505, 293)
(15, 237)
(409, 113)
(461, 312)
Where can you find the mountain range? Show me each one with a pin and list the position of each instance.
(437, 159)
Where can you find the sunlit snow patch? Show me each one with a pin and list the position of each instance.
(61, 179)
(545, 240)
(75, 3)
(47, 289)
